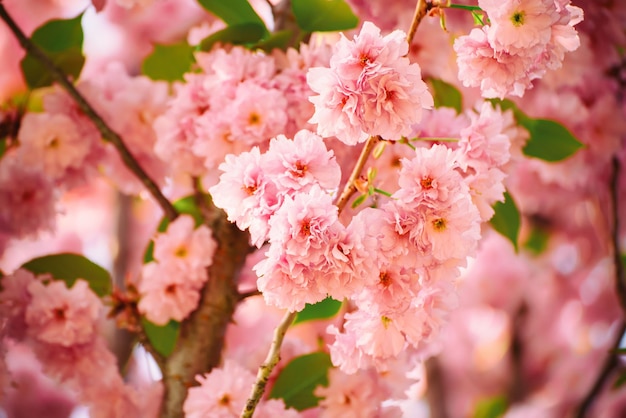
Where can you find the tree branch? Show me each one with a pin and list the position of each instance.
(272, 359)
(350, 188)
(620, 286)
(88, 110)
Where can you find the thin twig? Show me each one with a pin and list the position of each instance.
(620, 286)
(609, 365)
(620, 278)
(350, 187)
(421, 8)
(272, 359)
(249, 294)
(88, 110)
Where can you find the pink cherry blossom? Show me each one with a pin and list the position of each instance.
(295, 165)
(190, 249)
(166, 293)
(51, 143)
(62, 316)
(14, 300)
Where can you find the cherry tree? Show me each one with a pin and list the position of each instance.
(312, 208)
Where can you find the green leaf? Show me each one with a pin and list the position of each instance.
(297, 381)
(549, 140)
(239, 34)
(3, 146)
(446, 95)
(359, 200)
(276, 40)
(233, 12)
(62, 41)
(491, 408)
(537, 240)
(36, 76)
(163, 338)
(619, 381)
(186, 205)
(70, 267)
(324, 309)
(168, 62)
(506, 220)
(324, 15)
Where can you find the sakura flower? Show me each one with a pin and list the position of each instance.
(246, 193)
(62, 316)
(429, 176)
(222, 393)
(28, 197)
(518, 26)
(166, 294)
(190, 248)
(369, 89)
(295, 165)
(51, 143)
(14, 300)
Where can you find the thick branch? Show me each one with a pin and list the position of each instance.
(272, 359)
(201, 340)
(106, 132)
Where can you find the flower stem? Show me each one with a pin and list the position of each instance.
(272, 359)
(106, 132)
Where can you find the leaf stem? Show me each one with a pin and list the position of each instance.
(101, 125)
(463, 6)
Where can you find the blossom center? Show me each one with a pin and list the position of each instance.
(385, 280)
(250, 189)
(224, 400)
(254, 118)
(54, 143)
(305, 227)
(385, 320)
(181, 251)
(439, 224)
(59, 314)
(299, 170)
(426, 183)
(518, 18)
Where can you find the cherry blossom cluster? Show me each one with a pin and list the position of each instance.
(170, 285)
(370, 88)
(523, 40)
(62, 325)
(223, 107)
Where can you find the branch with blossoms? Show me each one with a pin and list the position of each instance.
(103, 127)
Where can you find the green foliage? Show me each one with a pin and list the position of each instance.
(537, 240)
(446, 95)
(324, 309)
(168, 62)
(162, 338)
(70, 267)
(549, 140)
(233, 12)
(507, 220)
(276, 40)
(297, 381)
(186, 205)
(491, 407)
(238, 34)
(62, 41)
(323, 15)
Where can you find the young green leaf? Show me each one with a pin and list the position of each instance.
(446, 95)
(233, 12)
(507, 220)
(491, 407)
(297, 381)
(324, 15)
(239, 34)
(549, 140)
(163, 338)
(168, 62)
(71, 267)
(62, 41)
(324, 309)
